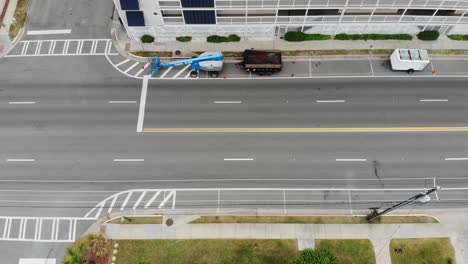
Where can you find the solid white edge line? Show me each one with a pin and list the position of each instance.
(331, 101)
(238, 159)
(48, 32)
(433, 100)
(351, 159)
(123, 160)
(14, 103)
(448, 159)
(20, 160)
(227, 102)
(141, 111)
(122, 102)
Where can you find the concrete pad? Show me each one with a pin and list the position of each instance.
(305, 243)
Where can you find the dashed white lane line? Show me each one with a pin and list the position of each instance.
(238, 159)
(122, 102)
(129, 160)
(433, 100)
(331, 101)
(20, 160)
(351, 159)
(448, 159)
(227, 102)
(17, 103)
(141, 112)
(48, 32)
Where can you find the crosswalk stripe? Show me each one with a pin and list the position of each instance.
(25, 48)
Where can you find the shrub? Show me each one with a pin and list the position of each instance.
(184, 39)
(296, 36)
(220, 39)
(344, 36)
(428, 35)
(315, 256)
(98, 245)
(233, 38)
(147, 39)
(458, 37)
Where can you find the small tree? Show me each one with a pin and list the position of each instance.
(315, 256)
(428, 35)
(98, 245)
(75, 256)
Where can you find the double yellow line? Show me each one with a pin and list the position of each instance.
(305, 129)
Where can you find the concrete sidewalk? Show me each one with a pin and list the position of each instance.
(456, 228)
(124, 43)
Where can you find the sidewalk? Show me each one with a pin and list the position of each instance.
(456, 228)
(124, 43)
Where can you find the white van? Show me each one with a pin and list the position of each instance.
(409, 60)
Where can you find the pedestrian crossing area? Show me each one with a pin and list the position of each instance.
(38, 229)
(63, 47)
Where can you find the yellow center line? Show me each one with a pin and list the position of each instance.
(305, 129)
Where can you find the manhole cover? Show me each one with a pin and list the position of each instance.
(169, 222)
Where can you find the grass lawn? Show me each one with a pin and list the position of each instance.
(138, 220)
(349, 251)
(206, 251)
(20, 15)
(311, 219)
(422, 251)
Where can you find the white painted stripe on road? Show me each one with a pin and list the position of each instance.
(48, 32)
(37, 261)
(20, 160)
(122, 102)
(181, 71)
(141, 112)
(16, 103)
(351, 159)
(433, 100)
(331, 101)
(124, 160)
(141, 70)
(131, 67)
(239, 159)
(166, 72)
(122, 62)
(456, 159)
(227, 102)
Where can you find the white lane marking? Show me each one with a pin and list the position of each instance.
(122, 62)
(20, 160)
(141, 70)
(15, 103)
(181, 71)
(350, 203)
(122, 102)
(238, 159)
(227, 102)
(166, 72)
(331, 101)
(25, 48)
(456, 159)
(351, 159)
(433, 100)
(48, 32)
(141, 112)
(124, 160)
(131, 67)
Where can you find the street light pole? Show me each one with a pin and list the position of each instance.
(423, 197)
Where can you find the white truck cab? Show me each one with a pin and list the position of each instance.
(409, 60)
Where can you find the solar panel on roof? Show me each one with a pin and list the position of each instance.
(197, 3)
(135, 18)
(200, 17)
(129, 5)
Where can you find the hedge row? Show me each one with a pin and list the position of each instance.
(147, 39)
(428, 35)
(220, 39)
(458, 37)
(301, 36)
(184, 38)
(373, 37)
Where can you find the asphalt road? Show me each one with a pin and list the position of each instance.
(74, 134)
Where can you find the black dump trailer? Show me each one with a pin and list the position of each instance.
(262, 62)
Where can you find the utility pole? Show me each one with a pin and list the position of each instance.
(422, 197)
